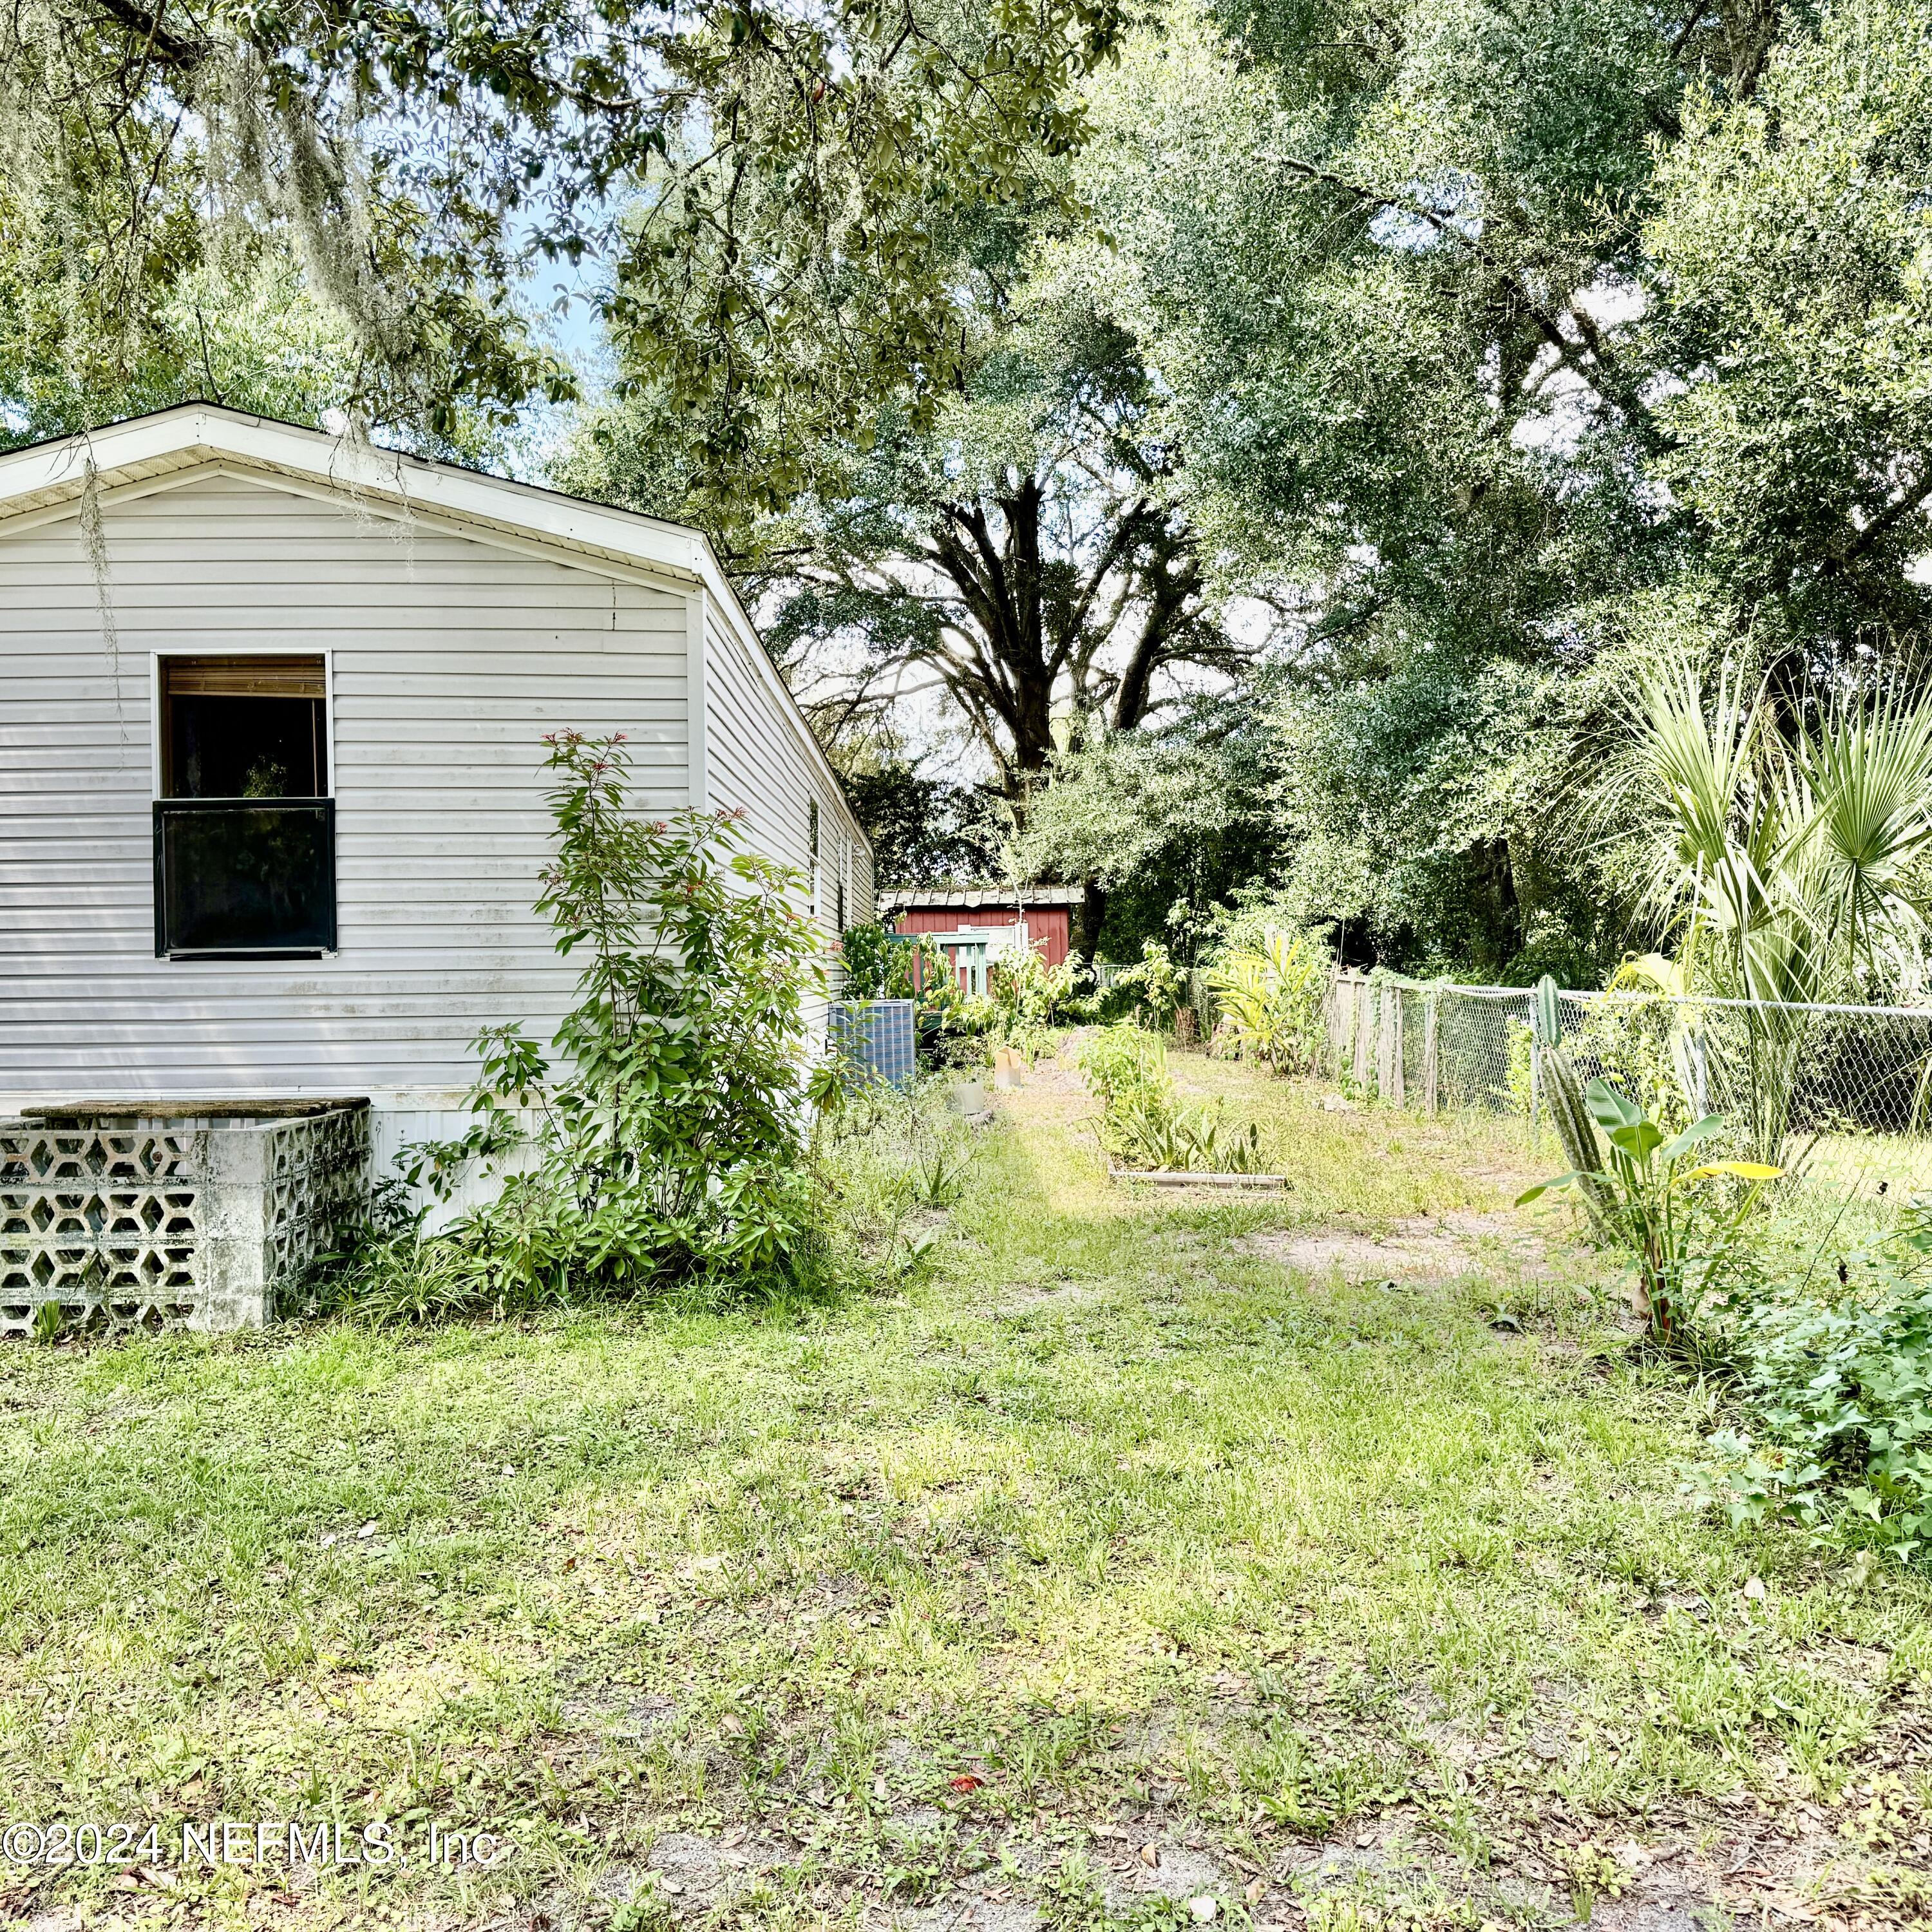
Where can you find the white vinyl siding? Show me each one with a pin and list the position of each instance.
(450, 658)
(762, 761)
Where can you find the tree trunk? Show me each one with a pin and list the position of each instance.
(1089, 915)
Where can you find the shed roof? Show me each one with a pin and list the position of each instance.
(969, 898)
(49, 479)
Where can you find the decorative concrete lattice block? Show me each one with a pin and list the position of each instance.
(128, 1220)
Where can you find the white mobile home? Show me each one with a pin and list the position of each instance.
(271, 709)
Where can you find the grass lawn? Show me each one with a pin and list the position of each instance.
(1156, 1559)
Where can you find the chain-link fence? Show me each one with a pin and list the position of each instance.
(1845, 1091)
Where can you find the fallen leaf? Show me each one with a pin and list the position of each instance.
(965, 1781)
(1149, 1856)
(367, 1530)
(1754, 1588)
(1202, 1909)
(1256, 1891)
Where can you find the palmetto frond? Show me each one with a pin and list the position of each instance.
(1867, 775)
(1781, 868)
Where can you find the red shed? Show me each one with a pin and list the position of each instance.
(970, 920)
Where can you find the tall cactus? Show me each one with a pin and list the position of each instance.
(1576, 1132)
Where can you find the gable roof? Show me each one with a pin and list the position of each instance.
(53, 475)
(51, 479)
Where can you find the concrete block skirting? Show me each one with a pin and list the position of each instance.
(145, 1215)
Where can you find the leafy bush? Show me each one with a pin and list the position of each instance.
(1025, 1002)
(1153, 987)
(1125, 1065)
(1143, 1124)
(881, 964)
(664, 1140)
(1027, 993)
(1836, 1375)
(1270, 1001)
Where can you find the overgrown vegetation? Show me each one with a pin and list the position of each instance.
(1835, 1369)
(663, 1140)
(1144, 1123)
(1653, 1194)
(1268, 1001)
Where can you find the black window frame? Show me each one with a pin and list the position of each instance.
(164, 807)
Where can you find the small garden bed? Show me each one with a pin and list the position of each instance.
(1168, 1177)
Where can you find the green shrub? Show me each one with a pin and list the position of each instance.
(881, 964)
(1153, 988)
(664, 1139)
(1026, 995)
(1835, 1372)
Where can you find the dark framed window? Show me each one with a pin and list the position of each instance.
(244, 829)
(245, 875)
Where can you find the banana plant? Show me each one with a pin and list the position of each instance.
(1656, 1199)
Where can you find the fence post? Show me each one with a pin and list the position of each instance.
(1431, 1001)
(1364, 1022)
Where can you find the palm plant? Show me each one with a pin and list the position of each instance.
(1269, 1000)
(1784, 855)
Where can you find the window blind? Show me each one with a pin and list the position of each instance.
(243, 677)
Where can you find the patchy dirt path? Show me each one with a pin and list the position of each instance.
(1422, 1248)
